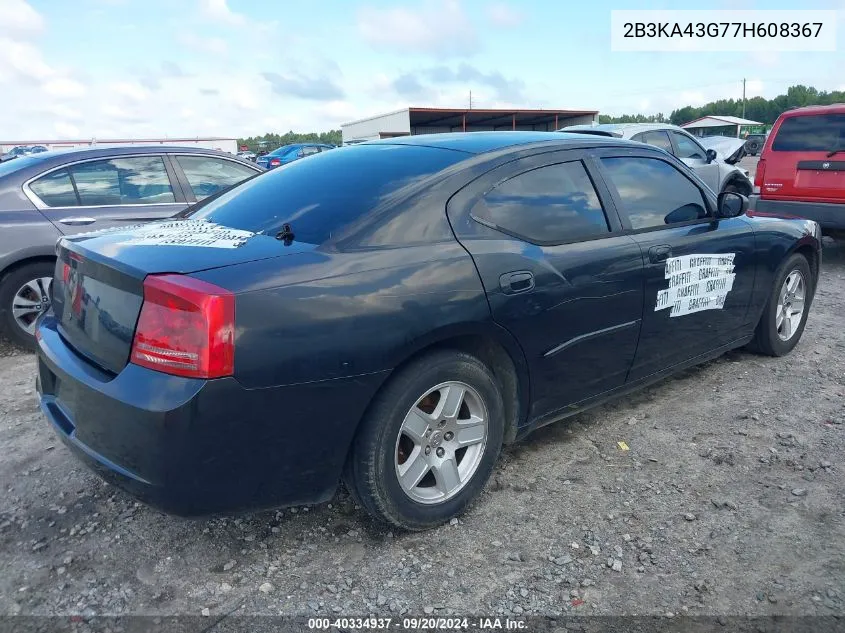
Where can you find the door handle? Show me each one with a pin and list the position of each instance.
(77, 221)
(517, 281)
(661, 253)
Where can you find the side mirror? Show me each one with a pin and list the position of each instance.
(731, 205)
(711, 155)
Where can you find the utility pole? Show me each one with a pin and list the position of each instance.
(743, 98)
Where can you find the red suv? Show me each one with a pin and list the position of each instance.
(802, 166)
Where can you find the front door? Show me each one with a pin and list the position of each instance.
(98, 194)
(558, 273)
(699, 270)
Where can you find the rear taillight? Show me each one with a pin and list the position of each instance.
(65, 272)
(275, 162)
(760, 174)
(186, 328)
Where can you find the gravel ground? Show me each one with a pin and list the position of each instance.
(729, 501)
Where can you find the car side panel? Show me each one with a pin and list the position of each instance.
(323, 316)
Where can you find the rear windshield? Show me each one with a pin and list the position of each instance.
(320, 196)
(284, 149)
(811, 133)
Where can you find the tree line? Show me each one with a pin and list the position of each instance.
(254, 143)
(756, 109)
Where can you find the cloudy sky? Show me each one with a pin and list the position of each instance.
(149, 68)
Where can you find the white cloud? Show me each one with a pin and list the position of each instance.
(63, 87)
(219, 11)
(21, 60)
(502, 14)
(202, 44)
(130, 90)
(439, 27)
(66, 130)
(19, 20)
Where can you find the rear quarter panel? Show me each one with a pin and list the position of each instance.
(776, 239)
(320, 316)
(25, 234)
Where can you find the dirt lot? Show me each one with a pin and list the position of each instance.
(730, 500)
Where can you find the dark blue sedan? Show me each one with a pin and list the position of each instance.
(392, 313)
(289, 153)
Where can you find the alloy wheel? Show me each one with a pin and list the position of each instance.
(790, 308)
(441, 442)
(31, 301)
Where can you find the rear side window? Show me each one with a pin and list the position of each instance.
(548, 205)
(208, 175)
(658, 139)
(136, 180)
(321, 197)
(55, 189)
(812, 133)
(653, 193)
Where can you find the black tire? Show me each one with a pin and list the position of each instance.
(766, 340)
(370, 473)
(9, 285)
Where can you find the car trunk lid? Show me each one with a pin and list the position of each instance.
(99, 279)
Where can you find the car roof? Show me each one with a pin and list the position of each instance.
(482, 142)
(624, 130)
(42, 161)
(833, 108)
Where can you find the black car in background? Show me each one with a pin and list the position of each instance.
(46, 195)
(393, 312)
(754, 144)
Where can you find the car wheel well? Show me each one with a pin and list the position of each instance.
(811, 256)
(24, 262)
(738, 184)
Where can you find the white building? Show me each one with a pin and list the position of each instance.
(411, 121)
(224, 144)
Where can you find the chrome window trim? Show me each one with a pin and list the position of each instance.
(42, 206)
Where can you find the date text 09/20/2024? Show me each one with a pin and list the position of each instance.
(416, 624)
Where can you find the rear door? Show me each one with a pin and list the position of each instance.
(689, 151)
(699, 270)
(101, 193)
(558, 273)
(801, 163)
(203, 176)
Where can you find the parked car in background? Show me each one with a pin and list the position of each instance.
(719, 175)
(802, 166)
(47, 195)
(247, 155)
(288, 153)
(394, 312)
(20, 150)
(754, 143)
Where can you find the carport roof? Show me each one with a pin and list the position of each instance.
(719, 121)
(454, 117)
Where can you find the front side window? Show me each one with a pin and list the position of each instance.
(687, 148)
(117, 181)
(548, 205)
(208, 175)
(55, 189)
(653, 193)
(308, 150)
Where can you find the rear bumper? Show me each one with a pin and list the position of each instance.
(829, 216)
(194, 447)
